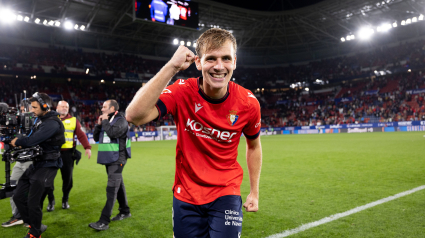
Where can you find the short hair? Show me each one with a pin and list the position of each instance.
(213, 39)
(45, 98)
(113, 103)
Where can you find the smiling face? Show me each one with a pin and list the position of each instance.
(217, 67)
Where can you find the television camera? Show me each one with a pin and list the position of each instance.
(15, 123)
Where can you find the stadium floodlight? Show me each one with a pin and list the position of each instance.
(421, 17)
(365, 33)
(82, 27)
(409, 70)
(176, 41)
(188, 43)
(26, 19)
(307, 89)
(395, 24)
(408, 21)
(87, 71)
(182, 42)
(233, 79)
(37, 20)
(7, 16)
(414, 19)
(76, 27)
(194, 44)
(385, 27)
(113, 82)
(102, 81)
(353, 37)
(58, 23)
(403, 23)
(348, 38)
(19, 18)
(51, 23)
(68, 25)
(45, 22)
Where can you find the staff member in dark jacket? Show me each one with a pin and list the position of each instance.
(48, 132)
(113, 135)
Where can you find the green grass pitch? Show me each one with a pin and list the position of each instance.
(304, 178)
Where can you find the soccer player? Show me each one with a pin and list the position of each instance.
(211, 112)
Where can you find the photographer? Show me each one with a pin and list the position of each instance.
(48, 132)
(17, 172)
(113, 135)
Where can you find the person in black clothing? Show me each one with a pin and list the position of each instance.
(37, 180)
(113, 135)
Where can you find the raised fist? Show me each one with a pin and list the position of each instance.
(182, 58)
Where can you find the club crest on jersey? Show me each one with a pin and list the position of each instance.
(232, 117)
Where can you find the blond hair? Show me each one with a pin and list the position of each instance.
(213, 39)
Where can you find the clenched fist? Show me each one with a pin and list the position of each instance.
(182, 58)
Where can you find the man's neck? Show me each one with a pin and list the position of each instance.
(212, 92)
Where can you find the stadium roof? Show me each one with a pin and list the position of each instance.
(264, 37)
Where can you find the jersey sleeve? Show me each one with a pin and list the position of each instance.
(167, 102)
(252, 129)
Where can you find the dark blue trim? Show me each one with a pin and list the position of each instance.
(210, 100)
(252, 137)
(162, 109)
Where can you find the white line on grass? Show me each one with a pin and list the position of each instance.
(344, 214)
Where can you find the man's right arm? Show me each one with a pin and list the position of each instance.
(142, 108)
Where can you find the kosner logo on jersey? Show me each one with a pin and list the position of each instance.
(220, 135)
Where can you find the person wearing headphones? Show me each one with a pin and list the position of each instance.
(37, 180)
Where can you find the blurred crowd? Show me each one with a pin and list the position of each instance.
(354, 92)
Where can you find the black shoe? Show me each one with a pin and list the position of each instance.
(65, 205)
(121, 216)
(99, 226)
(51, 206)
(12, 222)
(43, 228)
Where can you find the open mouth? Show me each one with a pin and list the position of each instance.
(220, 76)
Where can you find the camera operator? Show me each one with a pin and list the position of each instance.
(48, 132)
(17, 172)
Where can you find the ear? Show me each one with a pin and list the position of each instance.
(198, 63)
(234, 63)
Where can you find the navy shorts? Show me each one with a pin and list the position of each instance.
(221, 218)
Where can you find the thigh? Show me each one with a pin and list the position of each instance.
(225, 217)
(189, 220)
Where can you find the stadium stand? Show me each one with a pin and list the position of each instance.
(355, 89)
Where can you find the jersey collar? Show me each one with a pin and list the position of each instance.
(211, 100)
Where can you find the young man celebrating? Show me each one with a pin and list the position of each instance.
(211, 113)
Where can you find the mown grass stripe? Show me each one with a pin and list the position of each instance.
(344, 214)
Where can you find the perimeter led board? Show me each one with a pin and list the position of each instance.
(171, 12)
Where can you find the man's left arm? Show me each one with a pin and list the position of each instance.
(254, 161)
(82, 137)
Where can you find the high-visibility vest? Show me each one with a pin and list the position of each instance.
(70, 124)
(108, 150)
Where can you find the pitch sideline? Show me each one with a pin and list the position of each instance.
(344, 214)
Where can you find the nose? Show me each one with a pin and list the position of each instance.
(219, 64)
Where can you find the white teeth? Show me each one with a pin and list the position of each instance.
(218, 75)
